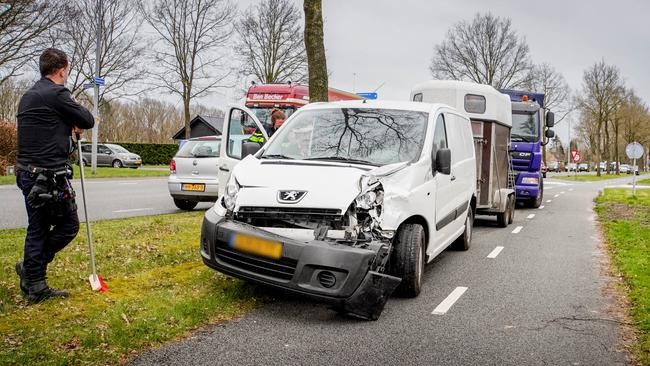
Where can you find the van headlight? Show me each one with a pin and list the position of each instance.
(530, 180)
(369, 199)
(230, 194)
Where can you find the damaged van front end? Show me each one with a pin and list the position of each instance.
(320, 249)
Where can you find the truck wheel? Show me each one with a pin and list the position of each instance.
(185, 205)
(407, 261)
(463, 241)
(536, 202)
(503, 218)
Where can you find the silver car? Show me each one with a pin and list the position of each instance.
(111, 155)
(193, 172)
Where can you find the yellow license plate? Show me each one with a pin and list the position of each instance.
(253, 245)
(196, 187)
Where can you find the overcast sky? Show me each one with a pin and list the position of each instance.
(391, 41)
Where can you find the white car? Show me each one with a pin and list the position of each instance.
(346, 202)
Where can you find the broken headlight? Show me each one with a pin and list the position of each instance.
(230, 194)
(369, 199)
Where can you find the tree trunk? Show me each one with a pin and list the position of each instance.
(616, 146)
(316, 62)
(186, 115)
(599, 150)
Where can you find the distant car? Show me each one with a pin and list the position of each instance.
(602, 166)
(554, 167)
(111, 155)
(571, 167)
(583, 167)
(194, 171)
(624, 169)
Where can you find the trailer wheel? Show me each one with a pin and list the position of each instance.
(511, 217)
(463, 242)
(407, 261)
(504, 217)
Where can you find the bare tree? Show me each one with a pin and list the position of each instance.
(601, 97)
(120, 61)
(24, 25)
(191, 34)
(545, 79)
(10, 93)
(271, 42)
(486, 51)
(317, 62)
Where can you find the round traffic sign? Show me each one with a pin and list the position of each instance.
(577, 158)
(634, 150)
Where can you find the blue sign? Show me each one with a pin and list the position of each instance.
(368, 95)
(99, 81)
(88, 86)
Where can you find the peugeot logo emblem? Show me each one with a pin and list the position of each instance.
(195, 162)
(291, 196)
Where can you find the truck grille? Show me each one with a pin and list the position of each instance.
(282, 269)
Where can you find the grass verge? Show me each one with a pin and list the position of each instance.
(645, 181)
(626, 224)
(158, 291)
(590, 177)
(103, 172)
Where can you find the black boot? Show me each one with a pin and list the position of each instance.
(39, 291)
(20, 271)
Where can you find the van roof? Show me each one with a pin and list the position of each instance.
(377, 104)
(451, 92)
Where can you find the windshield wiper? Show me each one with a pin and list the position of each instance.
(519, 138)
(276, 156)
(341, 158)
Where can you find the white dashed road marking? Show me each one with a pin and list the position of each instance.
(541, 207)
(570, 189)
(133, 210)
(493, 254)
(530, 216)
(447, 303)
(549, 201)
(562, 192)
(517, 229)
(556, 196)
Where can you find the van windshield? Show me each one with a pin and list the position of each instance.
(358, 135)
(199, 149)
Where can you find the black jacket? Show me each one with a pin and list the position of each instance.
(46, 115)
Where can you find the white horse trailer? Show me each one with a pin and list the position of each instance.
(491, 115)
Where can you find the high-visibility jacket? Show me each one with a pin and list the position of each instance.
(257, 137)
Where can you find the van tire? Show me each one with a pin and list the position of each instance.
(407, 261)
(463, 242)
(185, 205)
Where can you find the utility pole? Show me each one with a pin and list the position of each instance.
(568, 155)
(98, 48)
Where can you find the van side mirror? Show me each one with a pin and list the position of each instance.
(550, 119)
(249, 148)
(550, 134)
(443, 161)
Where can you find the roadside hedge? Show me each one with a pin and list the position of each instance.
(151, 154)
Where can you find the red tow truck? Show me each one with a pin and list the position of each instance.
(262, 98)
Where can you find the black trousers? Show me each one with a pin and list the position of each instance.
(50, 229)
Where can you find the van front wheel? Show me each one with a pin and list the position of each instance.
(407, 261)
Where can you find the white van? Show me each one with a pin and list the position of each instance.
(346, 202)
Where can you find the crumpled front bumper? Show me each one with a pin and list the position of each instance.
(351, 286)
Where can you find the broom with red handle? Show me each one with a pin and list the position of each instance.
(96, 282)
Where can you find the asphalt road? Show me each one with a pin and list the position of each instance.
(538, 300)
(107, 199)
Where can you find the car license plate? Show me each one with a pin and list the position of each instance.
(195, 187)
(253, 245)
(138, 162)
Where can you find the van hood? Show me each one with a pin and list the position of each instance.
(330, 185)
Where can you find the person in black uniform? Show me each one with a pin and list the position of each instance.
(47, 116)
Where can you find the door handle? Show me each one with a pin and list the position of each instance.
(453, 178)
(224, 169)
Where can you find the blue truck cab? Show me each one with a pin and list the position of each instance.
(531, 124)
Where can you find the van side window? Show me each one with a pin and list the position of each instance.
(439, 135)
(241, 127)
(417, 97)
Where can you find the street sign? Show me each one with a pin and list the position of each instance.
(89, 86)
(368, 95)
(575, 156)
(99, 81)
(634, 150)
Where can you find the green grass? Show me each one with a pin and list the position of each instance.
(105, 172)
(159, 290)
(587, 177)
(626, 224)
(644, 181)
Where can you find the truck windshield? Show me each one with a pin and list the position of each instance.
(525, 127)
(264, 114)
(357, 135)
